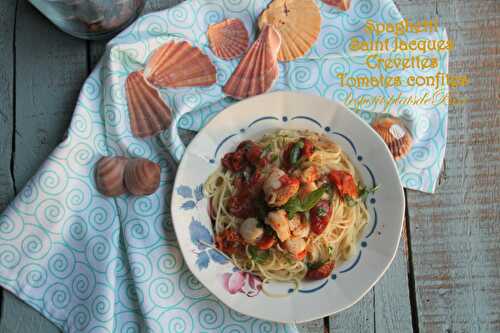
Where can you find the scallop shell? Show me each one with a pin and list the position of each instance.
(340, 4)
(178, 64)
(109, 176)
(395, 135)
(258, 70)
(228, 39)
(297, 21)
(142, 176)
(148, 112)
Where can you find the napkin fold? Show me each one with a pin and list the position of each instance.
(90, 263)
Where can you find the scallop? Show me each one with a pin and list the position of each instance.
(142, 176)
(297, 21)
(340, 4)
(148, 112)
(109, 176)
(258, 70)
(228, 39)
(178, 64)
(395, 134)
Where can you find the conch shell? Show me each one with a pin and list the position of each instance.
(259, 69)
(178, 64)
(228, 39)
(109, 176)
(142, 176)
(149, 114)
(395, 135)
(297, 21)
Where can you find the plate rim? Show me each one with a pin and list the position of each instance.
(401, 193)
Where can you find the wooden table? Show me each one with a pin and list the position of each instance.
(446, 276)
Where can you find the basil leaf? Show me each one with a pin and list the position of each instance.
(295, 152)
(293, 206)
(259, 256)
(316, 265)
(313, 198)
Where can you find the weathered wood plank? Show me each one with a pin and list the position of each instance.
(456, 232)
(7, 17)
(386, 308)
(18, 317)
(47, 84)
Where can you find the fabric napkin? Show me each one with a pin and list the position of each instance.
(95, 264)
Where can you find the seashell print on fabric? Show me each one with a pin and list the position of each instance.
(178, 64)
(297, 21)
(228, 39)
(142, 176)
(395, 135)
(259, 69)
(149, 114)
(340, 4)
(109, 176)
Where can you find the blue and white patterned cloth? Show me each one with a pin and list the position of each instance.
(95, 264)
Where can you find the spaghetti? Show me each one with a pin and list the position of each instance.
(287, 207)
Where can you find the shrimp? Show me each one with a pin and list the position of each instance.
(279, 187)
(278, 220)
(250, 230)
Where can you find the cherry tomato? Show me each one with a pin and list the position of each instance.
(241, 205)
(321, 272)
(308, 149)
(229, 241)
(320, 216)
(234, 161)
(266, 242)
(344, 182)
(301, 255)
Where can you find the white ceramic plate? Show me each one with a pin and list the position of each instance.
(250, 119)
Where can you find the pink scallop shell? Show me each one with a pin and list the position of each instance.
(258, 70)
(149, 114)
(178, 64)
(228, 39)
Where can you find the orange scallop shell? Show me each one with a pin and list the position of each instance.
(228, 39)
(178, 64)
(142, 176)
(395, 135)
(297, 21)
(109, 176)
(259, 69)
(340, 4)
(149, 114)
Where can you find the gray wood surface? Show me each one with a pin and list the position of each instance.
(446, 275)
(456, 232)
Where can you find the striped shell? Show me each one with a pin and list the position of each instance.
(297, 21)
(178, 64)
(109, 176)
(395, 135)
(258, 70)
(340, 4)
(142, 176)
(147, 110)
(228, 39)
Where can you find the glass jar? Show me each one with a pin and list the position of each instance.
(90, 19)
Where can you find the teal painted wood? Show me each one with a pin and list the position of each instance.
(53, 69)
(456, 232)
(7, 15)
(386, 308)
(18, 317)
(54, 66)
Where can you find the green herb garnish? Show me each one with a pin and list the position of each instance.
(296, 151)
(362, 194)
(266, 150)
(295, 205)
(316, 265)
(258, 256)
